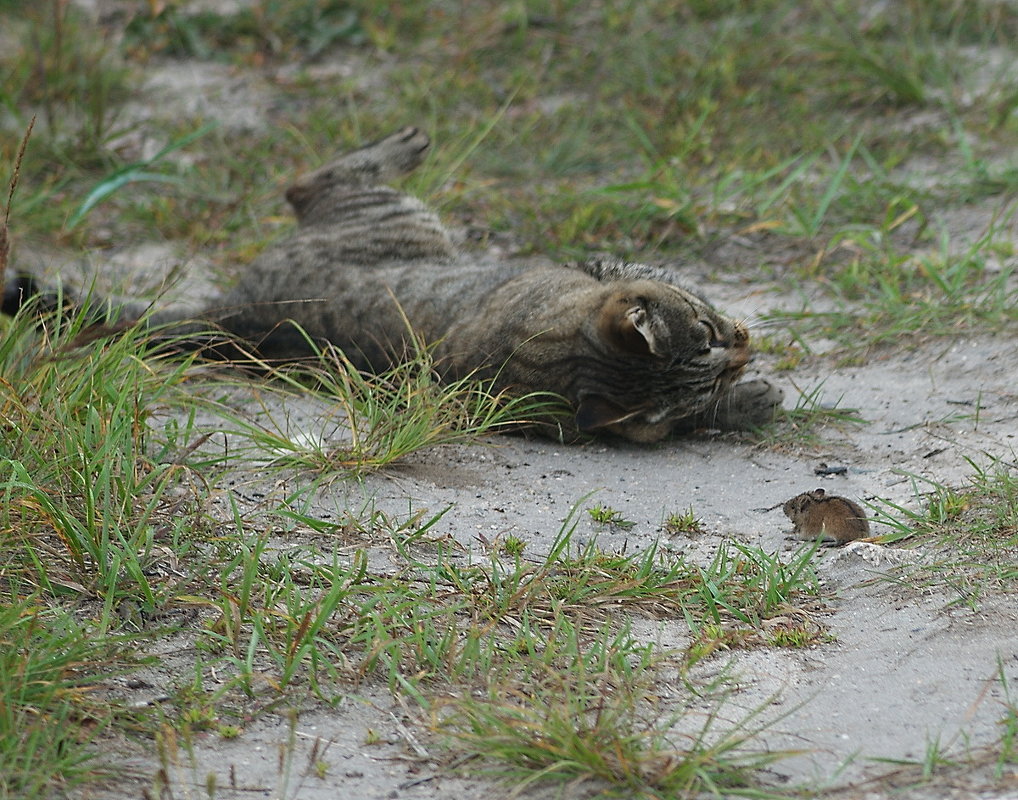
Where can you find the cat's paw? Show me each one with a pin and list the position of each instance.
(748, 405)
(396, 154)
(743, 407)
(361, 169)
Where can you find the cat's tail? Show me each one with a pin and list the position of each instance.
(176, 326)
(22, 289)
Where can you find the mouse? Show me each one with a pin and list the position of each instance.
(832, 519)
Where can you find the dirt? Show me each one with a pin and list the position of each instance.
(909, 665)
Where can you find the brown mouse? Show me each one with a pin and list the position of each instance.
(832, 519)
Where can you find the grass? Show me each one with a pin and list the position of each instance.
(133, 173)
(804, 129)
(440, 619)
(373, 421)
(105, 477)
(885, 295)
(811, 417)
(268, 29)
(607, 516)
(680, 108)
(85, 506)
(596, 730)
(972, 531)
(107, 474)
(958, 762)
(71, 73)
(48, 661)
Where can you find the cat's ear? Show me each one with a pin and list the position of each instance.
(596, 411)
(631, 331)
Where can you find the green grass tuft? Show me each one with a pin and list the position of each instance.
(972, 532)
(48, 663)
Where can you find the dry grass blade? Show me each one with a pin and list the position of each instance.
(5, 236)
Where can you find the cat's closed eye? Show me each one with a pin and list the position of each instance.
(713, 338)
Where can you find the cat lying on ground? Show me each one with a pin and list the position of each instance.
(632, 353)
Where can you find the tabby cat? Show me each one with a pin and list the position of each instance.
(632, 353)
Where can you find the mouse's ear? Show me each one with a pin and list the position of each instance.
(818, 494)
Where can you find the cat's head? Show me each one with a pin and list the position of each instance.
(663, 355)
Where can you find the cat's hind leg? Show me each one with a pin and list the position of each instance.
(367, 167)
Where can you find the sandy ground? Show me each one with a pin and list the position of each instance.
(910, 665)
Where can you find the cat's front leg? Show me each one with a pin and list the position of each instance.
(744, 406)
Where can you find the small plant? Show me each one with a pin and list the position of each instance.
(608, 516)
(199, 718)
(114, 459)
(142, 171)
(591, 725)
(266, 29)
(806, 216)
(513, 546)
(788, 350)
(947, 505)
(798, 636)
(712, 638)
(47, 661)
(884, 294)
(683, 522)
(954, 763)
(83, 478)
(71, 72)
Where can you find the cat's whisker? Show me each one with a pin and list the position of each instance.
(755, 320)
(767, 322)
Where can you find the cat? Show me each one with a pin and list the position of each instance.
(632, 353)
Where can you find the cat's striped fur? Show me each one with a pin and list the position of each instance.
(632, 353)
